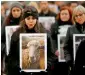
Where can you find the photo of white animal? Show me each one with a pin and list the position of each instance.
(33, 52)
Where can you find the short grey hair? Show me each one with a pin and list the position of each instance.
(76, 9)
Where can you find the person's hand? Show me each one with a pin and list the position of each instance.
(57, 53)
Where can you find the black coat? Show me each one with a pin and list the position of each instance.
(59, 66)
(12, 22)
(13, 58)
(54, 33)
(80, 60)
(68, 47)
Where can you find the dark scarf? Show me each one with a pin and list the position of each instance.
(60, 23)
(14, 21)
(80, 27)
(30, 30)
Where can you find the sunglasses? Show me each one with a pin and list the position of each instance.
(80, 15)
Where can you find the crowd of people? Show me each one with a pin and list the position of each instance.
(68, 15)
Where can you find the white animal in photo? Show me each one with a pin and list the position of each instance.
(34, 52)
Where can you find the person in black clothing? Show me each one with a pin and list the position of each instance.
(15, 14)
(28, 25)
(61, 20)
(2, 14)
(12, 19)
(45, 10)
(64, 18)
(77, 28)
(79, 68)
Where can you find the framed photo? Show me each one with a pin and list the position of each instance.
(47, 22)
(9, 30)
(77, 38)
(33, 52)
(61, 40)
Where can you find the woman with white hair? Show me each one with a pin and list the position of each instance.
(78, 17)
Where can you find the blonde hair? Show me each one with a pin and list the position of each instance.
(35, 5)
(76, 9)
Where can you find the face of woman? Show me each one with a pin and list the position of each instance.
(30, 21)
(16, 12)
(80, 17)
(64, 15)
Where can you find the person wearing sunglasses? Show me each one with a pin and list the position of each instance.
(78, 17)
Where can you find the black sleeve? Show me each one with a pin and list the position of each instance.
(49, 46)
(80, 54)
(79, 60)
(3, 34)
(13, 57)
(67, 44)
(54, 33)
(3, 41)
(50, 55)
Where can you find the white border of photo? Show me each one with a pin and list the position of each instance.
(45, 51)
(59, 57)
(74, 42)
(8, 39)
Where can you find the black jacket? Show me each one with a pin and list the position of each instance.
(12, 22)
(13, 58)
(68, 47)
(54, 33)
(80, 61)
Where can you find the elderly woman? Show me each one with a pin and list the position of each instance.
(29, 24)
(78, 28)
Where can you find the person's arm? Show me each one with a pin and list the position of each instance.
(13, 57)
(67, 46)
(54, 33)
(79, 60)
(50, 55)
(80, 54)
(3, 41)
(3, 35)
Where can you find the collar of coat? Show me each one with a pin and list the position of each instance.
(81, 27)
